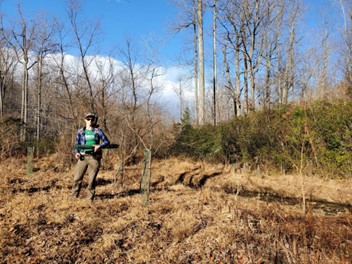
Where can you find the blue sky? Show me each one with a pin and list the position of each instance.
(120, 19)
(136, 19)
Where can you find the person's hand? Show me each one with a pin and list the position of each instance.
(96, 148)
(77, 156)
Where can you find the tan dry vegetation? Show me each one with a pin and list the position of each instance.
(197, 213)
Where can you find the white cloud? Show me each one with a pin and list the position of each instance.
(169, 81)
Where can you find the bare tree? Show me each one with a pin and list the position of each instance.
(229, 84)
(306, 73)
(106, 78)
(289, 77)
(195, 65)
(2, 94)
(289, 74)
(64, 78)
(201, 76)
(131, 96)
(243, 20)
(270, 45)
(43, 45)
(188, 19)
(153, 72)
(346, 9)
(279, 50)
(21, 41)
(214, 61)
(139, 113)
(323, 75)
(232, 37)
(263, 48)
(179, 90)
(85, 39)
(131, 81)
(8, 65)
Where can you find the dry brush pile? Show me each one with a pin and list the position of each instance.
(197, 213)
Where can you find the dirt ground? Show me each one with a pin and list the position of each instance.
(196, 213)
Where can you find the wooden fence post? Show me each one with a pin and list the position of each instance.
(119, 175)
(146, 176)
(30, 153)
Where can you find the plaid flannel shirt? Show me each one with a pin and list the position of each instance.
(98, 135)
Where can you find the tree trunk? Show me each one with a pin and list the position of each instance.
(180, 96)
(196, 59)
(324, 77)
(245, 79)
(214, 62)
(39, 100)
(290, 76)
(251, 58)
(238, 80)
(2, 93)
(24, 106)
(267, 82)
(88, 32)
(201, 63)
(65, 83)
(228, 78)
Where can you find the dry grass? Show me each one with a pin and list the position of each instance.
(197, 213)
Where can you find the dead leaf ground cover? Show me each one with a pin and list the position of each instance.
(197, 213)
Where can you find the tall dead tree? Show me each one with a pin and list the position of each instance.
(214, 62)
(201, 76)
(324, 72)
(21, 42)
(253, 58)
(195, 63)
(289, 73)
(255, 20)
(289, 77)
(180, 94)
(188, 18)
(232, 22)
(271, 40)
(42, 46)
(279, 50)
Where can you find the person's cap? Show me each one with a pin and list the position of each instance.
(90, 115)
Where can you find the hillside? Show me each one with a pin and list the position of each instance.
(197, 213)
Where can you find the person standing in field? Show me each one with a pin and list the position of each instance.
(88, 159)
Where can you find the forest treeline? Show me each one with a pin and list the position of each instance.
(261, 101)
(313, 138)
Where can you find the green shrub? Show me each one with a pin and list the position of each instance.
(319, 134)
